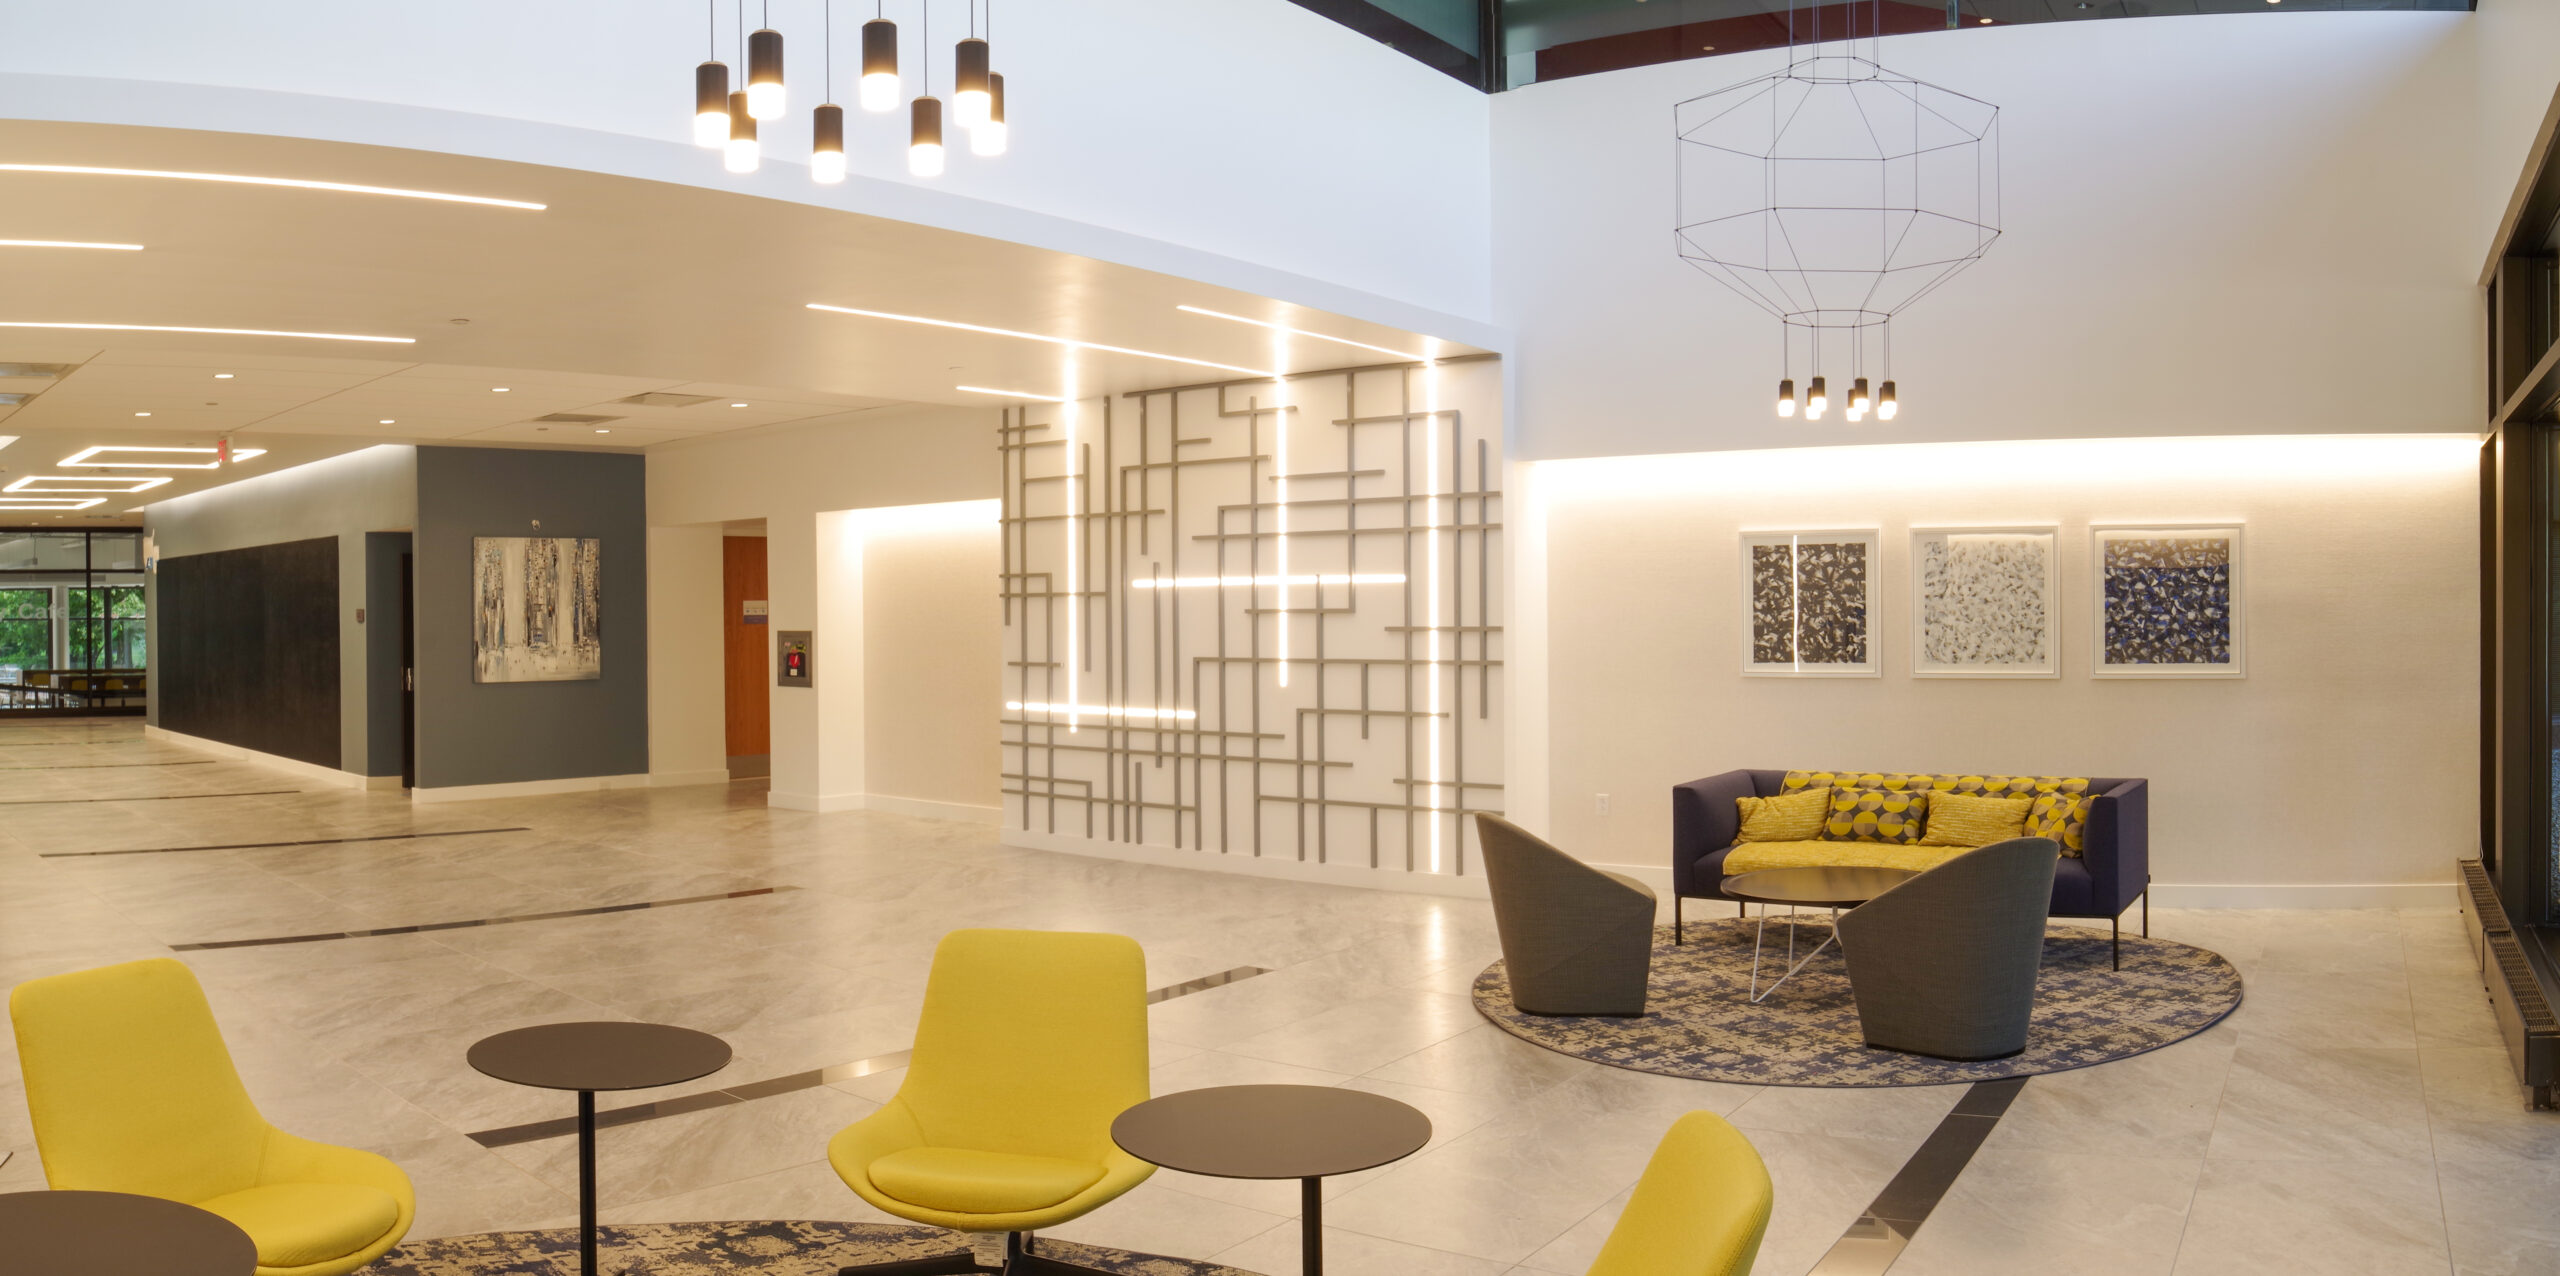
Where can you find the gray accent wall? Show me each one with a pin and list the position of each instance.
(470, 733)
(344, 496)
(383, 613)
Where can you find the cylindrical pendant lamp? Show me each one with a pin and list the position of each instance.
(924, 144)
(764, 74)
(740, 153)
(989, 138)
(879, 65)
(826, 155)
(970, 97)
(711, 104)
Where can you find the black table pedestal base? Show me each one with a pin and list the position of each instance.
(1018, 1261)
(1311, 1226)
(586, 1183)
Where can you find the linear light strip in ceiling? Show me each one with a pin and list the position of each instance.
(1301, 332)
(1010, 394)
(219, 332)
(242, 179)
(135, 482)
(1037, 336)
(48, 503)
(1245, 582)
(80, 459)
(67, 243)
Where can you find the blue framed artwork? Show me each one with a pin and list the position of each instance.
(2170, 602)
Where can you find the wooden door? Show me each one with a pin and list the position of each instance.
(744, 646)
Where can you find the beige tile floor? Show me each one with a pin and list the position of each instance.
(2356, 1115)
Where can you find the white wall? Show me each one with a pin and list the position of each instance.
(2342, 771)
(687, 737)
(1322, 154)
(2226, 224)
(2517, 47)
(933, 661)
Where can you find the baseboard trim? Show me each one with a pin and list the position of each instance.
(527, 788)
(2307, 895)
(296, 767)
(677, 779)
(930, 810)
(1249, 865)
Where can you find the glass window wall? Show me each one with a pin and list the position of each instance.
(74, 622)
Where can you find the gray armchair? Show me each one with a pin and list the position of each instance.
(1945, 963)
(1576, 940)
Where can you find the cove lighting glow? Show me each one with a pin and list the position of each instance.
(1075, 539)
(1300, 332)
(1104, 711)
(1431, 553)
(217, 332)
(81, 459)
(1010, 394)
(1250, 582)
(1280, 494)
(242, 179)
(67, 243)
(87, 483)
(64, 503)
(1068, 342)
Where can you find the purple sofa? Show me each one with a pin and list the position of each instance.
(2111, 872)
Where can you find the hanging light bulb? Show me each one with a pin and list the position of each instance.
(970, 99)
(826, 154)
(740, 153)
(989, 138)
(1885, 409)
(1787, 397)
(879, 65)
(1858, 399)
(764, 74)
(711, 104)
(924, 142)
(1816, 400)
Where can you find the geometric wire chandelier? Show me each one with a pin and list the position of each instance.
(726, 120)
(1834, 195)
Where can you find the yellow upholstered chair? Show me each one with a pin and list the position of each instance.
(132, 1090)
(1031, 1043)
(1699, 1210)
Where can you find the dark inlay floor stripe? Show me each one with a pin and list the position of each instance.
(478, 921)
(564, 1126)
(259, 846)
(101, 766)
(1877, 1239)
(156, 797)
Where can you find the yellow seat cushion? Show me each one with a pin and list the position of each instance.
(1957, 819)
(298, 1224)
(968, 1181)
(1754, 856)
(1792, 817)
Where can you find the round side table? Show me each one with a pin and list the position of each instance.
(119, 1234)
(1302, 1132)
(1813, 887)
(588, 1057)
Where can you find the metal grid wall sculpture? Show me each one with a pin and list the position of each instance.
(1164, 687)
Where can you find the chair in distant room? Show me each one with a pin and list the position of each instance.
(1031, 1044)
(1945, 964)
(1700, 1209)
(132, 1090)
(1575, 940)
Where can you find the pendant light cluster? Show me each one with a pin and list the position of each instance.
(1817, 394)
(726, 120)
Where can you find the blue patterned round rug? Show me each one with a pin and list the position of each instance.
(1699, 1021)
(770, 1248)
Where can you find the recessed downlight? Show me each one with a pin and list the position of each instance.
(222, 376)
(142, 414)
(497, 389)
(386, 421)
(602, 430)
(737, 405)
(244, 179)
(132, 458)
(218, 332)
(68, 243)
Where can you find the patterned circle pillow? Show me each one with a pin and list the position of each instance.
(1876, 815)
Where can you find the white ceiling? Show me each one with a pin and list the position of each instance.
(619, 287)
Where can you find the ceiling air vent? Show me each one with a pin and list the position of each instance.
(36, 369)
(575, 418)
(667, 399)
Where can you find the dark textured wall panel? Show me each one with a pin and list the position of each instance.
(249, 648)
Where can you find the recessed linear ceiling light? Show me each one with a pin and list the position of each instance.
(386, 421)
(142, 414)
(7, 439)
(67, 243)
(88, 483)
(222, 376)
(219, 332)
(80, 459)
(1010, 394)
(246, 180)
(1068, 342)
(1301, 332)
(50, 503)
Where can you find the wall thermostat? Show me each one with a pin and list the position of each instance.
(791, 664)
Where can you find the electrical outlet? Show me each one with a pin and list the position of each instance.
(1600, 804)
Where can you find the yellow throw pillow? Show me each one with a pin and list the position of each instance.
(1796, 817)
(1875, 815)
(2064, 817)
(1956, 819)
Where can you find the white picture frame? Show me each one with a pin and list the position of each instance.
(1836, 570)
(2014, 631)
(2204, 617)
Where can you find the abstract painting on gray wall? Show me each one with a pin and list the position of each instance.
(2168, 602)
(1982, 604)
(1810, 602)
(534, 609)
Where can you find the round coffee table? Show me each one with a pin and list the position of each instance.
(1832, 888)
(1302, 1132)
(587, 1057)
(119, 1234)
